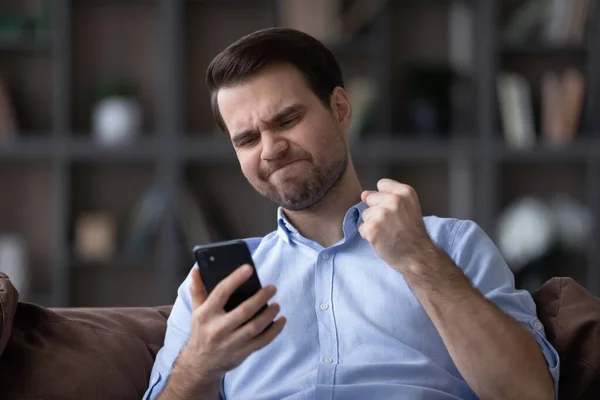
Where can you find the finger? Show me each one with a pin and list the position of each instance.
(245, 311)
(224, 289)
(377, 198)
(365, 194)
(373, 214)
(362, 230)
(255, 326)
(395, 187)
(266, 337)
(197, 289)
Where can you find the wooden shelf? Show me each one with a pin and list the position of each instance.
(207, 149)
(56, 162)
(396, 150)
(543, 50)
(383, 150)
(77, 149)
(88, 150)
(579, 150)
(114, 264)
(27, 149)
(27, 44)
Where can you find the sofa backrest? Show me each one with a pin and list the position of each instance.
(8, 306)
(80, 353)
(107, 353)
(571, 317)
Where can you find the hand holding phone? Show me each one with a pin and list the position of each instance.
(230, 316)
(217, 261)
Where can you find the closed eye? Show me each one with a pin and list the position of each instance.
(289, 122)
(246, 139)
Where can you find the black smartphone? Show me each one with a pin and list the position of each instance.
(216, 261)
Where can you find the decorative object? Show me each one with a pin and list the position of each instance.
(13, 262)
(14, 26)
(526, 230)
(95, 235)
(117, 115)
(541, 238)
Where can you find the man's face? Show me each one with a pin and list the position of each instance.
(291, 148)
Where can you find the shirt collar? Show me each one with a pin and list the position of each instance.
(352, 221)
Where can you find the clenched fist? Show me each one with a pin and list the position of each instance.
(393, 225)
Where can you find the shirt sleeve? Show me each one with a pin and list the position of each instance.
(176, 336)
(475, 253)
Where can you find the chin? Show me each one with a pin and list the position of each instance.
(298, 201)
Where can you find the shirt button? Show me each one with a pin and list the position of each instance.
(328, 360)
(324, 306)
(325, 256)
(537, 325)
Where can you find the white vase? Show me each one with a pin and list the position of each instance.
(117, 120)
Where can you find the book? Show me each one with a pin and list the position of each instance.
(8, 123)
(551, 93)
(516, 110)
(562, 100)
(573, 93)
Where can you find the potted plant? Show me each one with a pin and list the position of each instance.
(117, 114)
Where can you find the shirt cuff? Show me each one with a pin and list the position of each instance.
(549, 352)
(156, 385)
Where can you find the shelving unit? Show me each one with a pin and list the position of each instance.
(165, 45)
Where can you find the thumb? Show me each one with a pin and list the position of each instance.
(197, 289)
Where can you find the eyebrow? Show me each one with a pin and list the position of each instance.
(238, 138)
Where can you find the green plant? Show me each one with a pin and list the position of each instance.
(114, 86)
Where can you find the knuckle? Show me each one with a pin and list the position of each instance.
(221, 287)
(220, 295)
(212, 335)
(200, 315)
(246, 310)
(254, 328)
(409, 191)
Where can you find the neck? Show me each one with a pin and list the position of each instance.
(322, 223)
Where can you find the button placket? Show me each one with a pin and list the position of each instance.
(326, 319)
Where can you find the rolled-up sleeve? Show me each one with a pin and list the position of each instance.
(482, 262)
(178, 331)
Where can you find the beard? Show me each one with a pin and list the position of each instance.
(305, 189)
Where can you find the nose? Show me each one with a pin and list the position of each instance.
(272, 146)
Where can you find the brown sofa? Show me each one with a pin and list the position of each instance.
(108, 353)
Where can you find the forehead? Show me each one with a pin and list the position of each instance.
(259, 97)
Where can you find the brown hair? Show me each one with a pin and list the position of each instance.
(253, 52)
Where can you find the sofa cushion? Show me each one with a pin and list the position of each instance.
(81, 353)
(571, 316)
(8, 306)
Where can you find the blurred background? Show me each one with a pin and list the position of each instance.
(112, 169)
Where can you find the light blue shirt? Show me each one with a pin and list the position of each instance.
(354, 328)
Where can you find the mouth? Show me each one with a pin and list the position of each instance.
(286, 165)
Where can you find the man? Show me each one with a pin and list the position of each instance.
(379, 302)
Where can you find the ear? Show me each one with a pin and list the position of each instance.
(341, 108)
